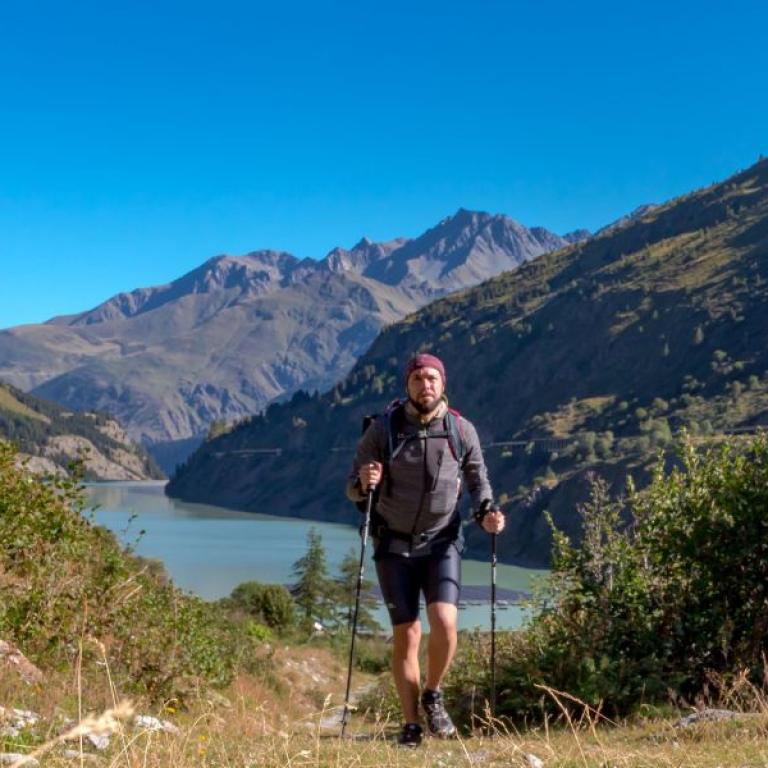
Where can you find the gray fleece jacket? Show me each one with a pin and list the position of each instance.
(424, 481)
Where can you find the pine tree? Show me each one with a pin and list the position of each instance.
(346, 583)
(312, 588)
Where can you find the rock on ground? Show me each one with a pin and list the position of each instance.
(12, 658)
(15, 758)
(706, 716)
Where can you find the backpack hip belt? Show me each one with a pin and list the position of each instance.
(385, 532)
(449, 532)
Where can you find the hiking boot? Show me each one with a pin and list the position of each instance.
(411, 735)
(438, 720)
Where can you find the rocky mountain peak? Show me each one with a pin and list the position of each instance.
(256, 272)
(364, 253)
(462, 250)
(230, 271)
(464, 219)
(577, 236)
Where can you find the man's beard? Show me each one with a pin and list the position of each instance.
(425, 408)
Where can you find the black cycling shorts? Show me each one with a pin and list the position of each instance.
(402, 579)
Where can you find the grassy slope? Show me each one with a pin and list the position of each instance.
(67, 585)
(252, 725)
(11, 404)
(654, 327)
(30, 421)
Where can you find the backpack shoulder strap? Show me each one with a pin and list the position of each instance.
(393, 420)
(456, 442)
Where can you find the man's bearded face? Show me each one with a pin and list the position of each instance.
(425, 388)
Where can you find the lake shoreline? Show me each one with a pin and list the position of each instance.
(208, 550)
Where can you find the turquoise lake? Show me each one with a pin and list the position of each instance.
(209, 550)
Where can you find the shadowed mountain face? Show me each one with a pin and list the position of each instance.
(223, 340)
(638, 213)
(585, 359)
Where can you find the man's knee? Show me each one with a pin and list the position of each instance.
(407, 636)
(443, 618)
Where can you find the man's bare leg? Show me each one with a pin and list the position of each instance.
(443, 634)
(405, 667)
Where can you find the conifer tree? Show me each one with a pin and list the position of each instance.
(312, 588)
(346, 583)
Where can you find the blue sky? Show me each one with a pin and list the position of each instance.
(139, 139)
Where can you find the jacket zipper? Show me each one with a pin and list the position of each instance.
(437, 473)
(424, 434)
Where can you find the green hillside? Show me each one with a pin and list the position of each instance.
(51, 437)
(587, 359)
(65, 582)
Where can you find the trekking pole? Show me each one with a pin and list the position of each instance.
(366, 526)
(493, 626)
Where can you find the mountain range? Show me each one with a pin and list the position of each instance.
(225, 339)
(586, 360)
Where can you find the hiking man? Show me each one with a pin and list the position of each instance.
(416, 457)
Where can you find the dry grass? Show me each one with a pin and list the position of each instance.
(245, 740)
(573, 415)
(255, 726)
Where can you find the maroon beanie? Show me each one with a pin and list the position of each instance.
(424, 360)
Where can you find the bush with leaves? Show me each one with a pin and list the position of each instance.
(269, 604)
(62, 579)
(666, 604)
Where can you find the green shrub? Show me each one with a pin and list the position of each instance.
(373, 655)
(671, 602)
(62, 580)
(269, 604)
(258, 631)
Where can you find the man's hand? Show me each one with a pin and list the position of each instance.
(369, 475)
(493, 522)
